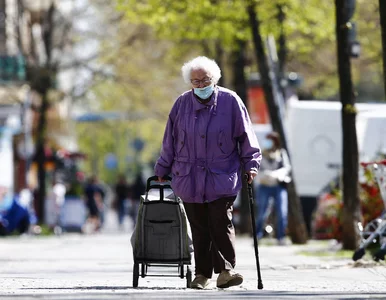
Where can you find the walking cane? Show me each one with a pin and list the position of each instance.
(251, 207)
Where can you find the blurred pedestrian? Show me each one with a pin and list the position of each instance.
(54, 203)
(271, 184)
(13, 215)
(94, 202)
(121, 198)
(208, 141)
(136, 190)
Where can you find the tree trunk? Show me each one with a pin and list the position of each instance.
(238, 64)
(296, 225)
(41, 159)
(41, 81)
(351, 211)
(282, 53)
(47, 33)
(240, 85)
(382, 14)
(219, 52)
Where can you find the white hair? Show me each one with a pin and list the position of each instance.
(201, 63)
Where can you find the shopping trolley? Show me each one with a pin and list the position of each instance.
(375, 230)
(161, 235)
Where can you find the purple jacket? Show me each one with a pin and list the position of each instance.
(204, 146)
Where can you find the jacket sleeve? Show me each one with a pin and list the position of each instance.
(164, 162)
(249, 148)
(283, 173)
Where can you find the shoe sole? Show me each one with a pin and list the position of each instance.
(232, 282)
(199, 287)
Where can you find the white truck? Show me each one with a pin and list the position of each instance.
(314, 137)
(314, 132)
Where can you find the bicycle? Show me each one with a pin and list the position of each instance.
(375, 230)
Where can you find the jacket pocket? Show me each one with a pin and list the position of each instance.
(223, 183)
(182, 181)
(225, 143)
(180, 141)
(181, 169)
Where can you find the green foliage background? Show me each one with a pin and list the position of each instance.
(149, 41)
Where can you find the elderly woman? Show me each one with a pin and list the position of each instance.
(208, 141)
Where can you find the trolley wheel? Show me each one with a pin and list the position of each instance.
(188, 277)
(135, 274)
(358, 254)
(143, 270)
(182, 275)
(379, 255)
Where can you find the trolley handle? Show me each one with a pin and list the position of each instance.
(161, 186)
(158, 184)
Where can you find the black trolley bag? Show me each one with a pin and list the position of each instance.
(160, 237)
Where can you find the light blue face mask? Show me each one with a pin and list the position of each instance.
(205, 92)
(267, 144)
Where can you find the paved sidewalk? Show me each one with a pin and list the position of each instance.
(100, 267)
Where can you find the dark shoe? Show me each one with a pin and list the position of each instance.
(229, 278)
(200, 282)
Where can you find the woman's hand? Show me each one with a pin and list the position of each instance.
(251, 175)
(160, 179)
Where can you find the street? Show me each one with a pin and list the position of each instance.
(99, 266)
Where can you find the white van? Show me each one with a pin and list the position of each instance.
(371, 129)
(315, 140)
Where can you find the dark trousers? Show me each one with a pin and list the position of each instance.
(213, 235)
(121, 210)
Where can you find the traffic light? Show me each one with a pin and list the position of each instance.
(354, 47)
(350, 6)
(353, 44)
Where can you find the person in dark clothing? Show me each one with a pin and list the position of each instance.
(137, 189)
(15, 218)
(94, 201)
(122, 193)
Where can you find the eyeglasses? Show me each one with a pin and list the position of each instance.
(204, 81)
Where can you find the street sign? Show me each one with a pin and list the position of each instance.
(111, 161)
(138, 144)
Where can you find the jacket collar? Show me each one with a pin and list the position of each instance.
(213, 100)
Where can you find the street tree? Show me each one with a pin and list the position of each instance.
(143, 79)
(296, 225)
(211, 41)
(309, 36)
(41, 74)
(351, 215)
(219, 16)
(46, 39)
